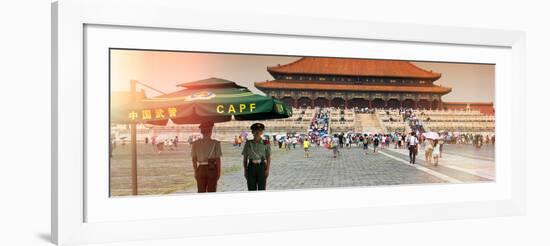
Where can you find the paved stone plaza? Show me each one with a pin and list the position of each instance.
(290, 170)
(171, 171)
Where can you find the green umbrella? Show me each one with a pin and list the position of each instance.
(212, 99)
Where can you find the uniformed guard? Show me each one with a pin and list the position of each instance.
(256, 159)
(206, 153)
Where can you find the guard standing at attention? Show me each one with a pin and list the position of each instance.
(256, 159)
(206, 153)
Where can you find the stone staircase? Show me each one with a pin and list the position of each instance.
(407, 127)
(368, 123)
(426, 128)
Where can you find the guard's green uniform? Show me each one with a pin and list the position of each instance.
(256, 153)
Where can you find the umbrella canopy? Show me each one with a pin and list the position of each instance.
(431, 135)
(215, 100)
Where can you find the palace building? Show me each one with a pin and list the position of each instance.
(349, 83)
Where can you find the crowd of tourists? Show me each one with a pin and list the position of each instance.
(364, 110)
(238, 141)
(409, 116)
(160, 144)
(477, 140)
(319, 122)
(318, 136)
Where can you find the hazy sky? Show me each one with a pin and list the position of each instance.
(164, 70)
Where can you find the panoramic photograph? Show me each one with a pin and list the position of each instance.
(199, 122)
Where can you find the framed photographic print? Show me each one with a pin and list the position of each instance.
(171, 121)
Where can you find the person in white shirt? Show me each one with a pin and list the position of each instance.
(413, 147)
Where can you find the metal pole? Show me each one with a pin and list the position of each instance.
(152, 88)
(133, 138)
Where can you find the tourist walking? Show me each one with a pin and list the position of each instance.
(206, 157)
(306, 145)
(478, 141)
(256, 159)
(375, 141)
(154, 143)
(239, 141)
(428, 149)
(366, 142)
(441, 143)
(287, 143)
(170, 144)
(160, 147)
(412, 144)
(436, 152)
(334, 145)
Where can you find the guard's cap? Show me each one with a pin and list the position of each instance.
(207, 124)
(257, 126)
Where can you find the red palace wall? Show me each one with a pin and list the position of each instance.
(484, 108)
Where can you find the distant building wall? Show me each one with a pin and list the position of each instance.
(484, 108)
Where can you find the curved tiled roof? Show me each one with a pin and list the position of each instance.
(209, 83)
(354, 67)
(295, 85)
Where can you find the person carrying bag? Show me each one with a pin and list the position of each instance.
(412, 144)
